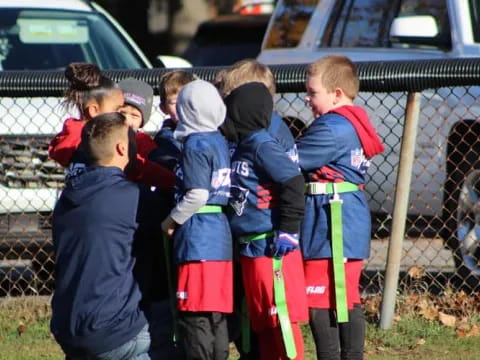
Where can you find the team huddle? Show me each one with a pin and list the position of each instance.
(222, 227)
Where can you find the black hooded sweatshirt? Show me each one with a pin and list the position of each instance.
(249, 109)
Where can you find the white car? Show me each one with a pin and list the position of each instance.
(48, 35)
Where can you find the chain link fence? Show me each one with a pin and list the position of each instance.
(440, 246)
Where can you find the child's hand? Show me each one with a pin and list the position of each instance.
(283, 243)
(168, 226)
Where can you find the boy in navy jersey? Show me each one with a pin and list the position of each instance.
(266, 210)
(167, 153)
(240, 73)
(250, 70)
(169, 148)
(202, 238)
(334, 154)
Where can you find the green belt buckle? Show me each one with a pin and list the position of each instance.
(331, 188)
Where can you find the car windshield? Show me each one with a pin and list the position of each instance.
(49, 39)
(290, 20)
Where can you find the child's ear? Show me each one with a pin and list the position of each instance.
(339, 94)
(92, 110)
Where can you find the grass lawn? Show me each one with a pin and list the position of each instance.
(25, 331)
(417, 338)
(25, 334)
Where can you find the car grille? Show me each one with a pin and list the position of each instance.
(24, 163)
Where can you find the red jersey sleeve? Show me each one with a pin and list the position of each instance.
(145, 144)
(149, 172)
(65, 143)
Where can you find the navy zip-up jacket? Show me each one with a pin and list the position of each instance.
(95, 307)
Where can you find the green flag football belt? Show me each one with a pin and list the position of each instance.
(245, 239)
(337, 255)
(282, 309)
(315, 188)
(209, 209)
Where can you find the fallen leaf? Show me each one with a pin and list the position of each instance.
(430, 313)
(447, 320)
(21, 329)
(371, 306)
(421, 341)
(463, 324)
(427, 309)
(472, 332)
(416, 272)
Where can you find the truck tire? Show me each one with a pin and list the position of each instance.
(460, 212)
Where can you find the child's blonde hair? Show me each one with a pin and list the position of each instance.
(172, 82)
(242, 72)
(336, 71)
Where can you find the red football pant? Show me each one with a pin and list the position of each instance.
(272, 346)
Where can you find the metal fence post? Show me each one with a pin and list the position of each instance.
(400, 208)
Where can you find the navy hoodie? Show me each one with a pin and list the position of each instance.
(95, 307)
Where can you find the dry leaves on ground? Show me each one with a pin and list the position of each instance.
(455, 309)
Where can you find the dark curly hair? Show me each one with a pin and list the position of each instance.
(86, 83)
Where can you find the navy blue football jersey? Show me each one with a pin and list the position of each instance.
(204, 164)
(259, 166)
(330, 151)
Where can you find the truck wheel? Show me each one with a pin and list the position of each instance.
(461, 207)
(468, 223)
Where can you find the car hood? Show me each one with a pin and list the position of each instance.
(304, 56)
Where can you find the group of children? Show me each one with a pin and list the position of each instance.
(289, 215)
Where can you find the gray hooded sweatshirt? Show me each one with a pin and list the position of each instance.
(200, 109)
